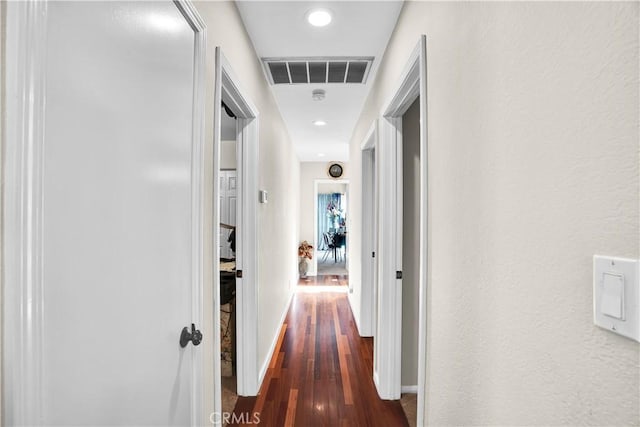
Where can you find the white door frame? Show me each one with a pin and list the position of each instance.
(412, 84)
(316, 243)
(228, 89)
(368, 233)
(22, 357)
(22, 229)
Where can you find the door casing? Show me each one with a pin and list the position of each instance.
(229, 90)
(387, 346)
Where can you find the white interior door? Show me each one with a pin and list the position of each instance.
(374, 233)
(120, 218)
(388, 341)
(369, 236)
(228, 211)
(389, 169)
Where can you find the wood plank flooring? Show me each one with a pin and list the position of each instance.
(326, 280)
(321, 371)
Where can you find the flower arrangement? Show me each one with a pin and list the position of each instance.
(305, 250)
(333, 212)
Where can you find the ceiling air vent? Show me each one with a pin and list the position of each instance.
(317, 70)
(279, 72)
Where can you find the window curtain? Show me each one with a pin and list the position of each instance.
(324, 222)
(336, 199)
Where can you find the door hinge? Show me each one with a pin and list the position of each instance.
(239, 274)
(398, 274)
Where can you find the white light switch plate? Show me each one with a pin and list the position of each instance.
(616, 295)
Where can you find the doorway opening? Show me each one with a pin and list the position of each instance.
(411, 214)
(331, 228)
(369, 233)
(235, 127)
(331, 263)
(228, 181)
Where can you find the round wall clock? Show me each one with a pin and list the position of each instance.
(335, 170)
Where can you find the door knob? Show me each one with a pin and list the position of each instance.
(195, 336)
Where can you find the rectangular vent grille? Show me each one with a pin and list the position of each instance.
(317, 70)
(337, 72)
(279, 72)
(298, 72)
(356, 71)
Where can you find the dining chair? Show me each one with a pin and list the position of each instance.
(328, 242)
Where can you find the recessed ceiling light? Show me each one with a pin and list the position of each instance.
(319, 122)
(319, 17)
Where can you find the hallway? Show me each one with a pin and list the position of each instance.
(320, 374)
(475, 162)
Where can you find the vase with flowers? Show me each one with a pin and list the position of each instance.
(305, 252)
(334, 213)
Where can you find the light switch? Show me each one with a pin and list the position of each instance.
(616, 295)
(613, 295)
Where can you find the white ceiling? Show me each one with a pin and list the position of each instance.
(358, 28)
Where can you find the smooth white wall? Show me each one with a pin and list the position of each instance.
(332, 188)
(410, 243)
(277, 220)
(309, 173)
(533, 168)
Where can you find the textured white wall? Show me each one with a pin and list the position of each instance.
(278, 164)
(533, 152)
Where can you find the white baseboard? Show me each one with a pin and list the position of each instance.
(376, 382)
(409, 389)
(272, 348)
(356, 318)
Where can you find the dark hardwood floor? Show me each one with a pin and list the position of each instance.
(321, 371)
(325, 280)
